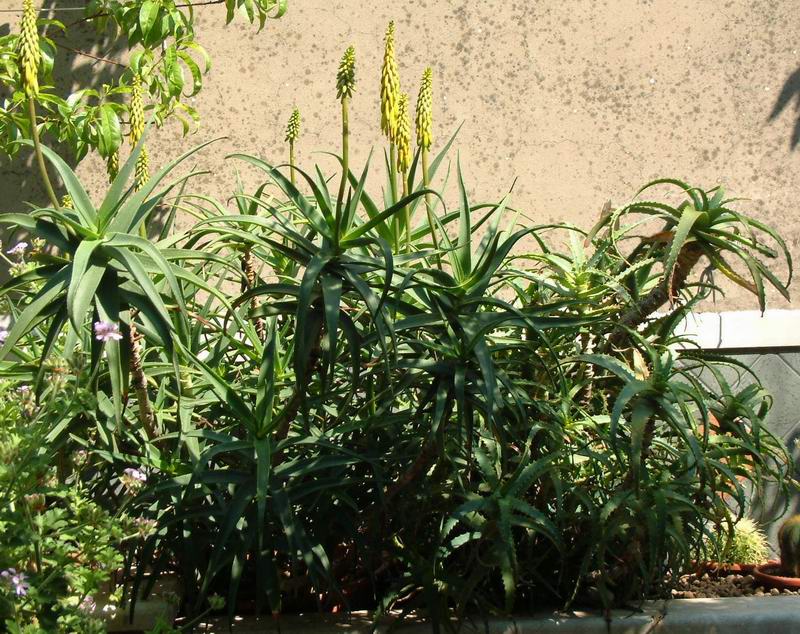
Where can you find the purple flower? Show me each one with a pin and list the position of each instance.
(16, 580)
(135, 474)
(88, 605)
(23, 389)
(18, 249)
(106, 331)
(133, 479)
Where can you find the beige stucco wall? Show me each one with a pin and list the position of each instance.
(582, 100)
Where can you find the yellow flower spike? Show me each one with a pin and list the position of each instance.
(292, 134)
(137, 111)
(293, 127)
(142, 172)
(66, 202)
(403, 135)
(30, 55)
(346, 77)
(425, 111)
(112, 165)
(390, 88)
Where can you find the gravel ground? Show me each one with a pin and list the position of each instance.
(710, 586)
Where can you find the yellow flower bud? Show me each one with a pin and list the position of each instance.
(390, 87)
(30, 55)
(137, 111)
(425, 111)
(66, 202)
(142, 172)
(346, 77)
(403, 135)
(112, 165)
(293, 127)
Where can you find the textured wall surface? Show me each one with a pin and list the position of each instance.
(583, 100)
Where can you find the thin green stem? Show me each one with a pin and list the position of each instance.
(345, 162)
(37, 147)
(406, 213)
(431, 222)
(291, 161)
(393, 189)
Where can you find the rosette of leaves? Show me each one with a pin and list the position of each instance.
(99, 270)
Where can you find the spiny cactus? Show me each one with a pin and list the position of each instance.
(346, 77)
(390, 88)
(425, 111)
(748, 544)
(789, 542)
(30, 55)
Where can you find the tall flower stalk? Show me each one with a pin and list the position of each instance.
(141, 176)
(404, 157)
(390, 99)
(30, 57)
(292, 134)
(345, 86)
(139, 380)
(249, 271)
(424, 124)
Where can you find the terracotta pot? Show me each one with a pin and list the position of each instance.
(723, 570)
(769, 575)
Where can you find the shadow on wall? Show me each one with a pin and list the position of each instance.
(19, 179)
(790, 92)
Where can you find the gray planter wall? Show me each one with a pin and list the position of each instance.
(779, 372)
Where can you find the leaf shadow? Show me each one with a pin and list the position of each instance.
(789, 93)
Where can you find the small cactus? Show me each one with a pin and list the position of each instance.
(390, 88)
(425, 111)
(30, 55)
(789, 542)
(346, 76)
(403, 135)
(748, 544)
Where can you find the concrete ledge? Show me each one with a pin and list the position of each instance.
(742, 615)
(743, 329)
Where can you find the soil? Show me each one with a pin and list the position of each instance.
(708, 586)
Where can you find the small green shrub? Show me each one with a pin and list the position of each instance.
(59, 548)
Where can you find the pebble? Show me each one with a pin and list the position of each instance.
(714, 586)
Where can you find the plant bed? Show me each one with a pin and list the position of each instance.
(708, 585)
